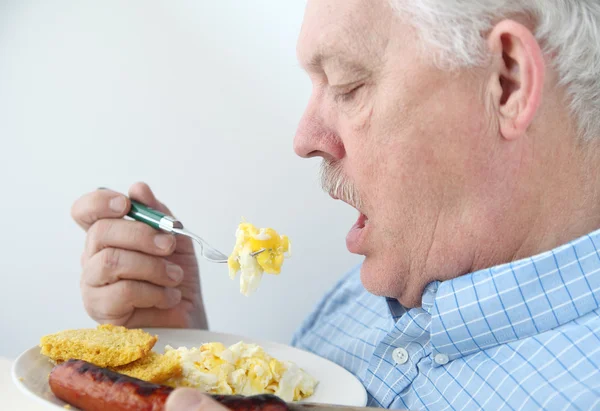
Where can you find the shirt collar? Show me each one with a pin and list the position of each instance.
(516, 300)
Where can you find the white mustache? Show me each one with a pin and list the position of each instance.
(337, 184)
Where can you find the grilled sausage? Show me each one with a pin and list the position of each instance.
(265, 402)
(92, 388)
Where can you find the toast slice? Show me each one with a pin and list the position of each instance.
(105, 346)
(153, 367)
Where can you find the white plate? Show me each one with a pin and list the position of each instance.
(336, 385)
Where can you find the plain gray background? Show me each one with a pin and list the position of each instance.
(201, 99)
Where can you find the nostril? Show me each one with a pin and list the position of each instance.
(315, 153)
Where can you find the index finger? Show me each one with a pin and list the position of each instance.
(97, 205)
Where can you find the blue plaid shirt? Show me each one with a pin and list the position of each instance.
(521, 336)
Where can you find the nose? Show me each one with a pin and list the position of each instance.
(315, 136)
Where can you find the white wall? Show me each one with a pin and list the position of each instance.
(185, 95)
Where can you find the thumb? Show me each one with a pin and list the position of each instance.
(191, 399)
(143, 193)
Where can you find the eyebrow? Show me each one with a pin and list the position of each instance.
(315, 63)
(320, 59)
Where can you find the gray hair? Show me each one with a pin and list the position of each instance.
(338, 185)
(568, 28)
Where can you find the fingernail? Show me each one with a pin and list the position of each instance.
(164, 241)
(174, 272)
(118, 204)
(173, 295)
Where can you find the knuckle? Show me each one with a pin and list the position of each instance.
(110, 259)
(78, 206)
(83, 259)
(75, 213)
(98, 231)
(91, 240)
(89, 302)
(103, 227)
(107, 307)
(81, 217)
(126, 291)
(139, 232)
(151, 267)
(84, 209)
(140, 186)
(87, 277)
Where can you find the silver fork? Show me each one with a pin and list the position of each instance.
(158, 220)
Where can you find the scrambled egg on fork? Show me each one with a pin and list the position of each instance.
(250, 239)
(242, 369)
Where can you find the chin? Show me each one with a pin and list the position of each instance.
(379, 278)
(385, 278)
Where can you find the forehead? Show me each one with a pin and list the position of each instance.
(337, 27)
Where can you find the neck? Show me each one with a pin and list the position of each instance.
(567, 199)
(554, 198)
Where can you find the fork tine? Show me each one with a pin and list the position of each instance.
(207, 251)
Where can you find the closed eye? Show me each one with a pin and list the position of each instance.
(348, 95)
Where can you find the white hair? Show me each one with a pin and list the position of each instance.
(570, 29)
(338, 185)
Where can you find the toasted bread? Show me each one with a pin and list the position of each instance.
(105, 346)
(153, 367)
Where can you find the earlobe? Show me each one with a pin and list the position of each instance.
(518, 71)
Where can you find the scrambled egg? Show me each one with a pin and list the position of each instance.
(250, 239)
(243, 369)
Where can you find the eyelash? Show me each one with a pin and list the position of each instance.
(349, 95)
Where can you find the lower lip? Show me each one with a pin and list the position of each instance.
(357, 235)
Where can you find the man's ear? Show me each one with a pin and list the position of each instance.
(517, 77)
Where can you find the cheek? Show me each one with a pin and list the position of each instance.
(406, 169)
(361, 122)
(360, 142)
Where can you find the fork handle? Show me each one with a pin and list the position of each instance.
(153, 218)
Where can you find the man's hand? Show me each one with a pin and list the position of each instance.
(190, 399)
(134, 275)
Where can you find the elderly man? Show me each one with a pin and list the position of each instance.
(467, 134)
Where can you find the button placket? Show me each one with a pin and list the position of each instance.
(391, 362)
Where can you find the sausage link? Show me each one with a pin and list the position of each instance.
(264, 402)
(92, 388)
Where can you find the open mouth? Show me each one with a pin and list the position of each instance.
(356, 236)
(362, 221)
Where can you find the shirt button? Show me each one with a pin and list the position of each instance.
(441, 359)
(400, 355)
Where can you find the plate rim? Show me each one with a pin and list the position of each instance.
(39, 399)
(33, 396)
